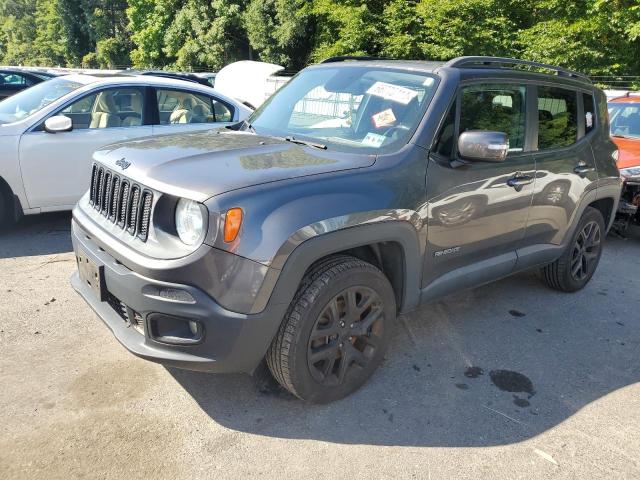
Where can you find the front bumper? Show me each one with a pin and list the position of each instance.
(231, 342)
(630, 197)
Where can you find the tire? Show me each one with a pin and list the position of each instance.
(348, 338)
(573, 270)
(5, 217)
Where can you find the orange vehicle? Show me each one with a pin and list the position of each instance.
(624, 115)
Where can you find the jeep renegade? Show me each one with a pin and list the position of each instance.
(359, 191)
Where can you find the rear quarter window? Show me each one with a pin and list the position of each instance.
(589, 112)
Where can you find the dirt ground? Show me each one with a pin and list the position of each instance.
(75, 404)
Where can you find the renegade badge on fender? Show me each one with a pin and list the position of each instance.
(359, 191)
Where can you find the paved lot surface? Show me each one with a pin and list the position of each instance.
(75, 404)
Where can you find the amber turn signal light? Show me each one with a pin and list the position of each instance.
(232, 224)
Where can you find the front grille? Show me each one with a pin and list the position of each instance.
(118, 306)
(129, 315)
(124, 203)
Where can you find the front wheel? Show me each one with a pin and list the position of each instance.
(335, 332)
(5, 217)
(573, 270)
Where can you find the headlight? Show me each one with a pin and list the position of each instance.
(190, 221)
(630, 172)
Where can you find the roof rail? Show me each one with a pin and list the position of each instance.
(346, 58)
(502, 62)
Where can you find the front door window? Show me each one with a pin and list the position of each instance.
(107, 109)
(498, 108)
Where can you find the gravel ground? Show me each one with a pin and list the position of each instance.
(75, 404)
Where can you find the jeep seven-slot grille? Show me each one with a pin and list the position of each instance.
(124, 203)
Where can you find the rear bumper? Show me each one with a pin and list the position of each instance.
(231, 342)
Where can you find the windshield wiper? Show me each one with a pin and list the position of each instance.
(304, 142)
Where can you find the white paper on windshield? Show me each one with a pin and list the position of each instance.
(385, 118)
(392, 92)
(373, 140)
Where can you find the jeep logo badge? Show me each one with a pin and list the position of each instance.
(123, 164)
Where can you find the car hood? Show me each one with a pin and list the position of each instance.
(201, 165)
(628, 151)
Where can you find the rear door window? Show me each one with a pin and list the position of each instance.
(557, 117)
(179, 107)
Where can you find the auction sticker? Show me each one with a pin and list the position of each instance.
(384, 118)
(373, 140)
(392, 92)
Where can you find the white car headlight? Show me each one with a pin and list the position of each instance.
(190, 221)
(630, 172)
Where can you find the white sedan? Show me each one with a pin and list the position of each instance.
(49, 132)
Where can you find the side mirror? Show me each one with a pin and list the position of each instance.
(483, 146)
(58, 124)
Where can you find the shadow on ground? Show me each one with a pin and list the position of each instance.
(45, 234)
(573, 348)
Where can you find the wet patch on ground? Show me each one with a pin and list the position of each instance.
(106, 384)
(514, 382)
(517, 313)
(473, 372)
(520, 402)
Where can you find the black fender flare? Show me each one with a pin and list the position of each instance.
(310, 251)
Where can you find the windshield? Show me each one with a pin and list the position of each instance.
(625, 119)
(31, 100)
(357, 109)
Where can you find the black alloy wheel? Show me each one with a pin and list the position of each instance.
(336, 330)
(580, 258)
(345, 335)
(586, 251)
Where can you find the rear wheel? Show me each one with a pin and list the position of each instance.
(573, 270)
(336, 330)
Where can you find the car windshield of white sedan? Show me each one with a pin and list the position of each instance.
(625, 119)
(29, 101)
(351, 108)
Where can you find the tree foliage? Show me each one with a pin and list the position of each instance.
(595, 36)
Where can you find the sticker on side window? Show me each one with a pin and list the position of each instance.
(392, 92)
(373, 140)
(589, 119)
(385, 118)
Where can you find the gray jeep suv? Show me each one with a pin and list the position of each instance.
(359, 191)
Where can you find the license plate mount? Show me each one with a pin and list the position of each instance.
(92, 275)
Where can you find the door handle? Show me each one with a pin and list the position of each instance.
(519, 180)
(582, 169)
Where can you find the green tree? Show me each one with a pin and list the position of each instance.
(592, 36)
(465, 27)
(149, 21)
(18, 30)
(207, 34)
(403, 30)
(49, 45)
(281, 31)
(347, 28)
